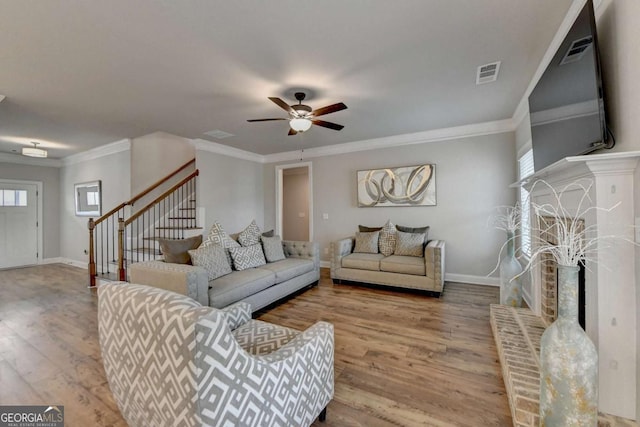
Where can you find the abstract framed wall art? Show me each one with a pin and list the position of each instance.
(400, 186)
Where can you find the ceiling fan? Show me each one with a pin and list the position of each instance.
(302, 117)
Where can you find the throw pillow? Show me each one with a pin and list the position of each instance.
(217, 236)
(269, 233)
(387, 240)
(410, 244)
(247, 257)
(175, 250)
(212, 258)
(424, 230)
(250, 236)
(272, 248)
(365, 229)
(367, 242)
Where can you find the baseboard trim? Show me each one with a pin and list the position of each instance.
(474, 280)
(68, 261)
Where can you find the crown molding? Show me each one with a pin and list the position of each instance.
(458, 132)
(574, 10)
(96, 153)
(31, 161)
(226, 150)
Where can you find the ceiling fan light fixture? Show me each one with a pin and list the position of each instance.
(300, 124)
(34, 151)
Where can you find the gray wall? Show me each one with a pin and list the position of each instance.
(113, 170)
(50, 178)
(472, 177)
(230, 191)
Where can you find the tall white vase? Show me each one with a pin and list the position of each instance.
(510, 285)
(568, 363)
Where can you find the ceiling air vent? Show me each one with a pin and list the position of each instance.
(577, 50)
(218, 134)
(488, 73)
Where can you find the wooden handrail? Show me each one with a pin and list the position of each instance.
(160, 197)
(144, 192)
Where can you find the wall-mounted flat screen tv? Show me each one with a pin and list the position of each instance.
(567, 104)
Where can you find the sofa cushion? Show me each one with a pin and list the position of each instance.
(247, 256)
(387, 240)
(362, 261)
(250, 236)
(238, 285)
(289, 268)
(175, 250)
(259, 338)
(411, 244)
(403, 264)
(272, 248)
(367, 242)
(212, 258)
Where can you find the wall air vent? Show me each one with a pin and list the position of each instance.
(488, 73)
(218, 134)
(577, 50)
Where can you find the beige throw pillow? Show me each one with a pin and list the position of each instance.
(175, 250)
(410, 244)
(367, 242)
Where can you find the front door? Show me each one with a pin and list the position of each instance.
(18, 224)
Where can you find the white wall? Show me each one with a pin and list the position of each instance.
(472, 177)
(155, 155)
(50, 178)
(295, 201)
(114, 172)
(230, 190)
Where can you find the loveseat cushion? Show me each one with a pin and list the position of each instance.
(362, 261)
(259, 338)
(238, 285)
(289, 268)
(403, 264)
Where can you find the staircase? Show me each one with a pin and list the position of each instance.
(121, 236)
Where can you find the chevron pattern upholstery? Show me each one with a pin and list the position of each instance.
(172, 362)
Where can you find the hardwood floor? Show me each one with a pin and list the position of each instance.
(401, 359)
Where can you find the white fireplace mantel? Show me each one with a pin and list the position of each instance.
(610, 283)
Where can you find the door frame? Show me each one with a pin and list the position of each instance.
(39, 209)
(279, 195)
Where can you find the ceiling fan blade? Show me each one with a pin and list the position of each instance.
(280, 103)
(329, 125)
(264, 120)
(328, 109)
(292, 132)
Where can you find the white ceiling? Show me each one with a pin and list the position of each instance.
(78, 74)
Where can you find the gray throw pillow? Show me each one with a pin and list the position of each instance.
(367, 242)
(212, 258)
(410, 244)
(387, 241)
(247, 257)
(272, 248)
(175, 250)
(217, 236)
(422, 230)
(250, 236)
(269, 233)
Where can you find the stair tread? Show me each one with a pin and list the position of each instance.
(182, 217)
(187, 209)
(178, 228)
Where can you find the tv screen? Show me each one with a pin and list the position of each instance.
(567, 104)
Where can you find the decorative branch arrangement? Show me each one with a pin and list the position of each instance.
(507, 218)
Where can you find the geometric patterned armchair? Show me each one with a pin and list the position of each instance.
(172, 362)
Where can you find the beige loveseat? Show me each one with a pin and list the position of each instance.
(423, 273)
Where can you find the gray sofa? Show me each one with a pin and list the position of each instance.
(258, 286)
(424, 273)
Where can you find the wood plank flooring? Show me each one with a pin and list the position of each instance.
(401, 359)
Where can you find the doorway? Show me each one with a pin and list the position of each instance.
(294, 201)
(20, 217)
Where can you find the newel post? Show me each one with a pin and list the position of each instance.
(121, 273)
(92, 257)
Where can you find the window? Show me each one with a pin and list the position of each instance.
(92, 198)
(13, 197)
(525, 168)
